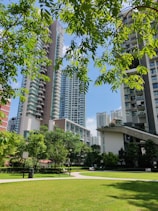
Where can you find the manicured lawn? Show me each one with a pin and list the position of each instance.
(79, 195)
(115, 174)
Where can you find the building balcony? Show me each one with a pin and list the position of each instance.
(140, 98)
(40, 100)
(43, 70)
(139, 93)
(140, 107)
(41, 84)
(141, 114)
(43, 89)
(39, 106)
(40, 91)
(56, 94)
(41, 96)
(38, 114)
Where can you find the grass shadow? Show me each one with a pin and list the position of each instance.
(138, 193)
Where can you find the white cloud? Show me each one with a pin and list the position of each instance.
(119, 108)
(91, 125)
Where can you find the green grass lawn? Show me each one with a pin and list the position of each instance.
(113, 174)
(117, 174)
(79, 195)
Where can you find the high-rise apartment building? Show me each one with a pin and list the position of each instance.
(72, 104)
(43, 101)
(140, 108)
(68, 125)
(116, 114)
(103, 119)
(12, 124)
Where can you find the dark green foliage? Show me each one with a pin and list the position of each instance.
(131, 156)
(140, 155)
(93, 157)
(151, 151)
(9, 144)
(110, 160)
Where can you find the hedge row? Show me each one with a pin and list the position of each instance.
(21, 170)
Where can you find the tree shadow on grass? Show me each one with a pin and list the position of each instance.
(140, 194)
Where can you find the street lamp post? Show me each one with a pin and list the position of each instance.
(69, 162)
(24, 156)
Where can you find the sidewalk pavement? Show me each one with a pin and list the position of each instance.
(73, 175)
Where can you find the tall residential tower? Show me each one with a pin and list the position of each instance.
(72, 104)
(42, 102)
(140, 108)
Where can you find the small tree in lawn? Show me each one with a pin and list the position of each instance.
(93, 156)
(57, 153)
(36, 146)
(17, 158)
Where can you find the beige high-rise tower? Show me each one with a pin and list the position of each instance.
(43, 100)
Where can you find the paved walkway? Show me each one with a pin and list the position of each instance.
(74, 175)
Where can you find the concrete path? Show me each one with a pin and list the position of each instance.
(74, 175)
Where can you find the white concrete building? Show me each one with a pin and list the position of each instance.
(110, 141)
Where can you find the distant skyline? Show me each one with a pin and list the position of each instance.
(100, 99)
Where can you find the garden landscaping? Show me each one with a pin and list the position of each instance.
(82, 195)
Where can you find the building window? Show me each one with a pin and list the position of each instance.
(153, 71)
(156, 93)
(152, 64)
(132, 91)
(128, 113)
(132, 98)
(134, 113)
(154, 78)
(156, 101)
(127, 105)
(155, 85)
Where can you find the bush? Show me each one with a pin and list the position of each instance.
(110, 160)
(51, 170)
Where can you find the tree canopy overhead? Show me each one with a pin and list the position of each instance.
(98, 33)
(22, 31)
(101, 30)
